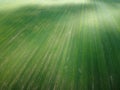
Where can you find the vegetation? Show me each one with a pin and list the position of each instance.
(67, 47)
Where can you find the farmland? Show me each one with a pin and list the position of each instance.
(61, 47)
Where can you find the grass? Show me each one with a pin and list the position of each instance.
(68, 47)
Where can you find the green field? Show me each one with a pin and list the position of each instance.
(61, 47)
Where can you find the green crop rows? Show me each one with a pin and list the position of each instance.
(66, 47)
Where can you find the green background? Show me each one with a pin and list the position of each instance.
(61, 47)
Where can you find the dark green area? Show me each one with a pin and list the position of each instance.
(68, 47)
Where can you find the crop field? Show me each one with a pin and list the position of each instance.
(61, 47)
